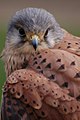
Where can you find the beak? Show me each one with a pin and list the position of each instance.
(34, 40)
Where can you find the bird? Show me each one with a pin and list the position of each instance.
(42, 64)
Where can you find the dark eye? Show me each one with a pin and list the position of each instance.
(46, 33)
(22, 32)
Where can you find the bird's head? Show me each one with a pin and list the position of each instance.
(29, 30)
(33, 29)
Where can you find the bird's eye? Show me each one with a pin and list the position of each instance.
(22, 32)
(46, 33)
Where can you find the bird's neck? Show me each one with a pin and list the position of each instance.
(15, 62)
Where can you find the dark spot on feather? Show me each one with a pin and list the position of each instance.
(13, 89)
(73, 63)
(41, 71)
(31, 75)
(65, 84)
(39, 76)
(48, 65)
(37, 104)
(34, 84)
(40, 56)
(35, 63)
(25, 59)
(47, 91)
(77, 107)
(63, 96)
(62, 67)
(46, 52)
(5, 89)
(71, 108)
(31, 90)
(76, 43)
(11, 68)
(65, 109)
(22, 96)
(38, 67)
(77, 75)
(18, 94)
(52, 91)
(13, 62)
(56, 94)
(70, 94)
(58, 105)
(34, 102)
(69, 43)
(43, 88)
(38, 53)
(58, 60)
(44, 60)
(30, 85)
(12, 78)
(68, 46)
(19, 76)
(35, 58)
(42, 84)
(22, 84)
(52, 77)
(43, 113)
(54, 103)
(59, 47)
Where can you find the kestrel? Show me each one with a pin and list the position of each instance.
(42, 63)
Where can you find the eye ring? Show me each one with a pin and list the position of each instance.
(22, 32)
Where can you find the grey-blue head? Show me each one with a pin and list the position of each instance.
(33, 26)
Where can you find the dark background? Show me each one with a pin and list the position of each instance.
(66, 12)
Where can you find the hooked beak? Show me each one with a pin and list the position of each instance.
(35, 41)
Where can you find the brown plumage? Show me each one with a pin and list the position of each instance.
(42, 84)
